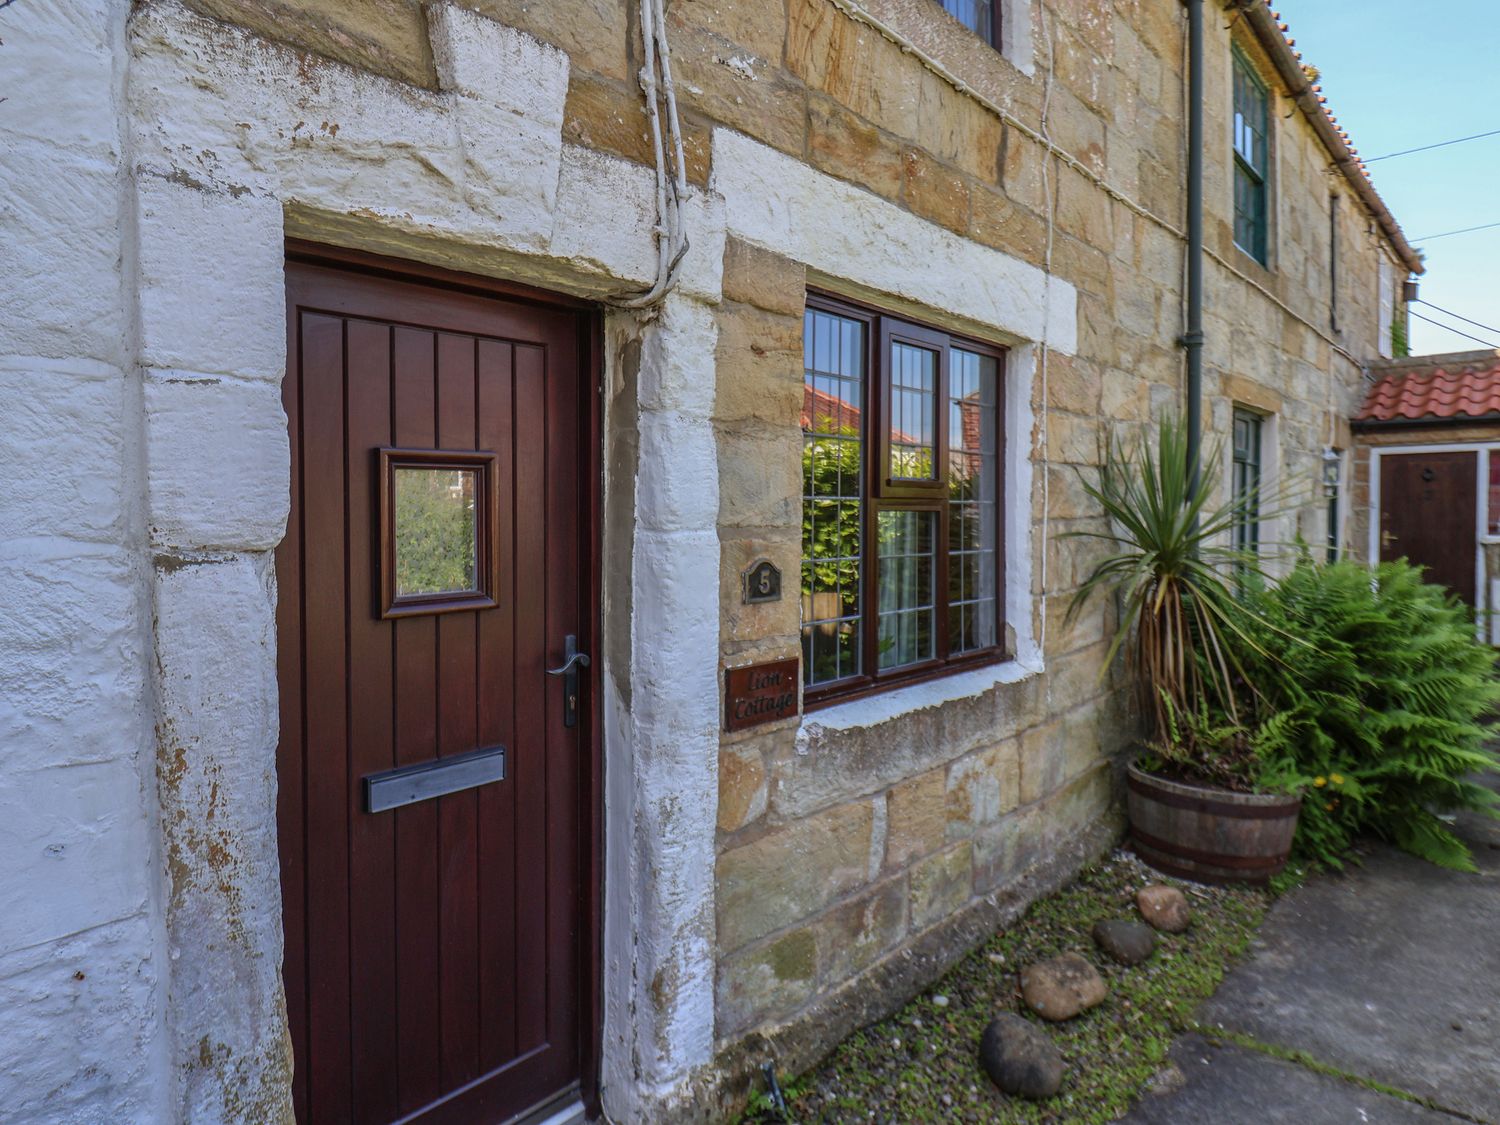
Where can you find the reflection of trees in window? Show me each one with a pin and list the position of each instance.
(914, 379)
(973, 508)
(436, 543)
(831, 536)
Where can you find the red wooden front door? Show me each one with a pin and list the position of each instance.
(436, 951)
(1428, 515)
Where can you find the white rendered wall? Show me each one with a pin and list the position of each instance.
(843, 231)
(140, 944)
(81, 965)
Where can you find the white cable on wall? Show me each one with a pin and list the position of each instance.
(1046, 461)
(671, 169)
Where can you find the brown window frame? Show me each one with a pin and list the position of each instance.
(880, 492)
(484, 464)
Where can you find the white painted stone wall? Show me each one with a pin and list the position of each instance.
(81, 972)
(842, 231)
(662, 802)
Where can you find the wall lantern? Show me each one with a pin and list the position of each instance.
(1331, 465)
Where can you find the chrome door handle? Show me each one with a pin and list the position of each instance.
(572, 661)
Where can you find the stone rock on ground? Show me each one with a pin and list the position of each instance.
(1020, 1059)
(1127, 942)
(1166, 908)
(1168, 1080)
(1061, 988)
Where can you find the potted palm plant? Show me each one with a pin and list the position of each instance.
(1191, 794)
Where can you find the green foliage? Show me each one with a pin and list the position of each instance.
(1399, 345)
(831, 543)
(435, 544)
(831, 533)
(1176, 580)
(1206, 746)
(1374, 703)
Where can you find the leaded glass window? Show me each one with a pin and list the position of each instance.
(901, 500)
(973, 506)
(833, 396)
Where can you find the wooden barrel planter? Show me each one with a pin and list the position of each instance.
(1210, 835)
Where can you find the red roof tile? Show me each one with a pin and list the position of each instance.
(1466, 393)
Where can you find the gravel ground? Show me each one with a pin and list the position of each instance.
(920, 1064)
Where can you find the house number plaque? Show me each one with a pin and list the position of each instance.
(762, 582)
(759, 693)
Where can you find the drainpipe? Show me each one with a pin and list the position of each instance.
(1192, 339)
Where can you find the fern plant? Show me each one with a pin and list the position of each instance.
(1374, 702)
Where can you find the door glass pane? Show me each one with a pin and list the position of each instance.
(437, 545)
(832, 507)
(913, 397)
(973, 511)
(905, 612)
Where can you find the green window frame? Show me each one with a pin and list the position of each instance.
(1252, 115)
(1333, 500)
(1332, 552)
(903, 567)
(1249, 433)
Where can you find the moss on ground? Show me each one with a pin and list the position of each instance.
(921, 1063)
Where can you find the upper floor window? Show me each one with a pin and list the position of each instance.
(901, 500)
(1248, 428)
(1251, 163)
(982, 17)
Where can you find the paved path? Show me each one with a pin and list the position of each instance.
(1388, 973)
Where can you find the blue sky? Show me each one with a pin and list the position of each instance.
(1399, 75)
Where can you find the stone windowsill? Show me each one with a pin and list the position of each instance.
(873, 710)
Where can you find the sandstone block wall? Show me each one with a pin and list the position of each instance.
(846, 840)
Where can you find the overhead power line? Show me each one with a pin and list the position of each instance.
(1445, 327)
(1450, 233)
(1440, 144)
(1456, 316)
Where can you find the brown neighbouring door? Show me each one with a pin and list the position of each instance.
(439, 950)
(1428, 515)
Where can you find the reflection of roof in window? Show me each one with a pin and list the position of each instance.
(823, 413)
